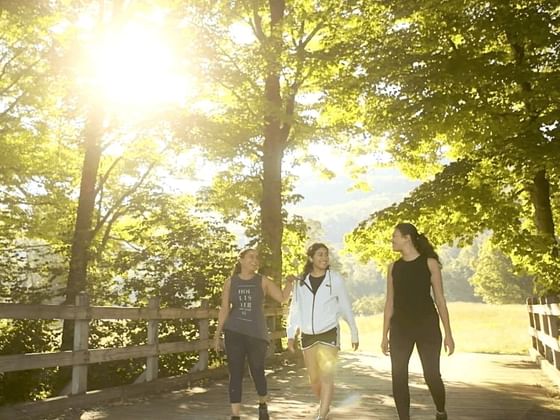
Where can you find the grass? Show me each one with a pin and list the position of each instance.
(477, 328)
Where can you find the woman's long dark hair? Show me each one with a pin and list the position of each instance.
(310, 253)
(237, 267)
(419, 241)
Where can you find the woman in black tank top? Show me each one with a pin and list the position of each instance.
(411, 318)
(242, 319)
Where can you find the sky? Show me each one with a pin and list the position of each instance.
(340, 210)
(332, 202)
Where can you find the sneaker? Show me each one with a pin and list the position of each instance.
(441, 416)
(325, 417)
(263, 412)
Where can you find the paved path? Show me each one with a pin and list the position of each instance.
(479, 386)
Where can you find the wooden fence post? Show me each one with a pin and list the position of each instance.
(203, 325)
(81, 338)
(152, 365)
(552, 330)
(532, 324)
(538, 325)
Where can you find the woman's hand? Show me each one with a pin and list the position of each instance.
(291, 278)
(449, 345)
(291, 345)
(385, 346)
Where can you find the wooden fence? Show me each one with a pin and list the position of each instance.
(544, 314)
(81, 356)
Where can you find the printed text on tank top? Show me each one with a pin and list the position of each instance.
(246, 315)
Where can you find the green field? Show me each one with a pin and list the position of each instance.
(477, 327)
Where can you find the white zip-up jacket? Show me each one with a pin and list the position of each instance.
(315, 314)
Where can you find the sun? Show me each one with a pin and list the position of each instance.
(136, 68)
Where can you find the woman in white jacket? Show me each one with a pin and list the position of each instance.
(319, 300)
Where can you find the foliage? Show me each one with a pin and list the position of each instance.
(369, 305)
(180, 257)
(457, 270)
(361, 280)
(462, 95)
(38, 167)
(293, 246)
(31, 272)
(495, 279)
(176, 255)
(263, 66)
(27, 336)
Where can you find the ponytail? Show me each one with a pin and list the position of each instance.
(236, 269)
(419, 241)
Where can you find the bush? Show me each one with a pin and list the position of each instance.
(369, 305)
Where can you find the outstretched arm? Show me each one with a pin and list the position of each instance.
(439, 297)
(272, 290)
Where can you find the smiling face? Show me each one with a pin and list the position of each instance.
(320, 259)
(249, 261)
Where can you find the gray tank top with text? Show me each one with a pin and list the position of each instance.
(247, 307)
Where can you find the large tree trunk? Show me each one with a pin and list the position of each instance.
(271, 205)
(81, 241)
(273, 151)
(275, 138)
(82, 231)
(544, 221)
(79, 257)
(540, 187)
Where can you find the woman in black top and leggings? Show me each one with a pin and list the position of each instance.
(411, 318)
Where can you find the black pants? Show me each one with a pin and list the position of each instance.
(240, 347)
(427, 337)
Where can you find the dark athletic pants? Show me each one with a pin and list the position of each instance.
(238, 348)
(427, 337)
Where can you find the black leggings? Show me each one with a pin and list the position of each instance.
(238, 348)
(427, 337)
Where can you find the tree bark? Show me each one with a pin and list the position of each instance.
(275, 138)
(544, 221)
(82, 232)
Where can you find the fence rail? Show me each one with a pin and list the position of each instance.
(81, 356)
(544, 326)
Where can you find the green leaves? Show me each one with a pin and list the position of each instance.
(462, 91)
(495, 279)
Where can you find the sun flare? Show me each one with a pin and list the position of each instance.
(136, 67)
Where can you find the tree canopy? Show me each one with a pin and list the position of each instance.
(134, 134)
(463, 95)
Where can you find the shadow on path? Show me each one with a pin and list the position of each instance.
(479, 386)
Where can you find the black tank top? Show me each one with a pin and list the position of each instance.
(411, 284)
(247, 312)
